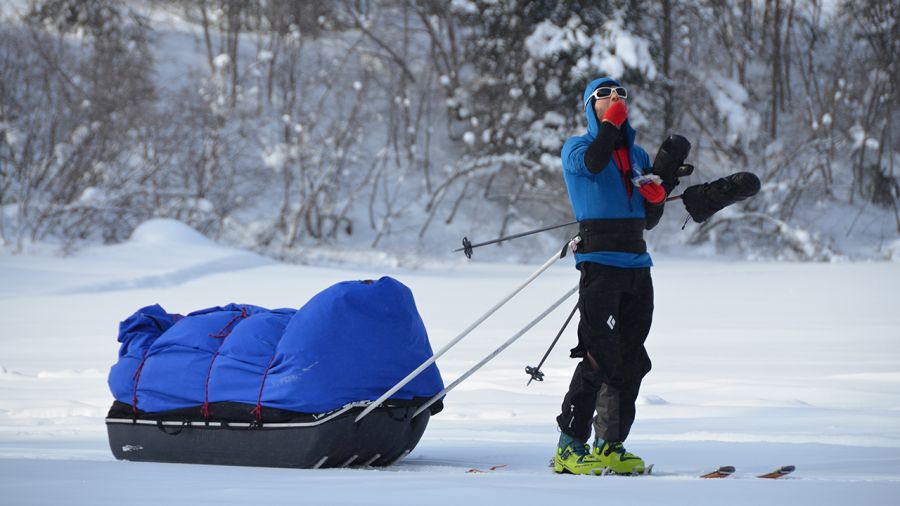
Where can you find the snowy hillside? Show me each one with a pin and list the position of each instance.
(756, 365)
(281, 126)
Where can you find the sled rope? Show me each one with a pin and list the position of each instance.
(225, 332)
(136, 377)
(229, 326)
(205, 409)
(258, 409)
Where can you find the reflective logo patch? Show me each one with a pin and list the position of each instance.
(611, 322)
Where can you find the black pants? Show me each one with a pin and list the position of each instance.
(616, 307)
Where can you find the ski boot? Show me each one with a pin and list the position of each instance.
(615, 459)
(574, 457)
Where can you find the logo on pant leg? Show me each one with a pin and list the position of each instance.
(611, 322)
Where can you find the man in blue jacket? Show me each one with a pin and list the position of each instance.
(615, 197)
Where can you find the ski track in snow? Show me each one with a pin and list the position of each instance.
(176, 277)
(755, 365)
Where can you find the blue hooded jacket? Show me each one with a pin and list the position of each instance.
(604, 195)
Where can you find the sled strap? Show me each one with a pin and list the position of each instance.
(136, 378)
(230, 325)
(625, 235)
(225, 332)
(162, 427)
(257, 411)
(205, 409)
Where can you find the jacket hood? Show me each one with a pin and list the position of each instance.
(592, 120)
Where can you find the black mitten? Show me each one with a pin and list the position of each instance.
(671, 155)
(704, 200)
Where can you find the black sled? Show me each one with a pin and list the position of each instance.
(294, 440)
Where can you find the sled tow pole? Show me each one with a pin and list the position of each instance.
(556, 256)
(496, 352)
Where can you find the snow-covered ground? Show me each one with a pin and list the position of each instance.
(756, 365)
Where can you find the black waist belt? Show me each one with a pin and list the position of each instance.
(625, 235)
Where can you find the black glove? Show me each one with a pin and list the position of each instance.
(671, 155)
(704, 200)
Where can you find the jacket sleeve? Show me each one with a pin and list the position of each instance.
(652, 212)
(573, 156)
(599, 152)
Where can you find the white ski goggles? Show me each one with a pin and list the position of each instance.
(606, 92)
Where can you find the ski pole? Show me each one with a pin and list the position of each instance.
(496, 352)
(468, 246)
(409, 377)
(535, 372)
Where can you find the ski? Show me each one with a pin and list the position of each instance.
(726, 471)
(778, 473)
(722, 472)
(492, 468)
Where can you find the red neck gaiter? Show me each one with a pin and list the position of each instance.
(624, 164)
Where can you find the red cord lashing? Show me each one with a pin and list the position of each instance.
(136, 377)
(257, 411)
(205, 409)
(225, 332)
(228, 326)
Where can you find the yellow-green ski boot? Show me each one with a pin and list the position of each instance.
(615, 459)
(574, 457)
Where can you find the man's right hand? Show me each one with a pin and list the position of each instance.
(671, 155)
(616, 114)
